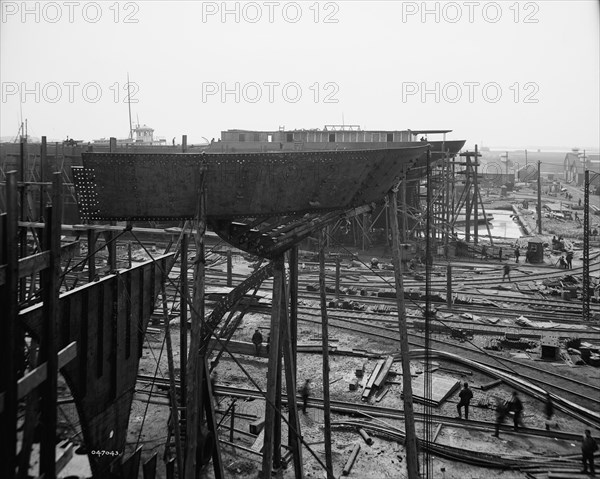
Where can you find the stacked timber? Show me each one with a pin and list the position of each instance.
(377, 378)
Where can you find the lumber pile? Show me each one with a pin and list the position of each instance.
(377, 379)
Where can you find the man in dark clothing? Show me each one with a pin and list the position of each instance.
(465, 398)
(516, 406)
(569, 259)
(517, 254)
(257, 339)
(305, 392)
(588, 447)
(506, 272)
(501, 412)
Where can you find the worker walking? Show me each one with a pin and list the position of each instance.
(516, 406)
(305, 392)
(257, 339)
(588, 447)
(517, 254)
(501, 411)
(506, 272)
(465, 396)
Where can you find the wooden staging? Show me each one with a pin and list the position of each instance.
(108, 320)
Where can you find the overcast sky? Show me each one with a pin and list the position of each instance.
(518, 74)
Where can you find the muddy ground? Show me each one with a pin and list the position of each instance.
(385, 458)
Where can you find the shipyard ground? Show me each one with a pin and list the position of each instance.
(385, 457)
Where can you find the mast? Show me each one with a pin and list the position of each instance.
(129, 106)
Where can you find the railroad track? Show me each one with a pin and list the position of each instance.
(556, 304)
(368, 410)
(413, 320)
(510, 304)
(522, 369)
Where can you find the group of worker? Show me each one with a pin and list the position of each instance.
(588, 445)
(566, 262)
(503, 408)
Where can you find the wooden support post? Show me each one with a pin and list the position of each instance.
(404, 229)
(229, 269)
(23, 217)
(294, 434)
(232, 421)
(30, 420)
(194, 373)
(183, 318)
(91, 242)
(43, 160)
(337, 278)
(172, 386)
(325, 336)
(294, 305)
(48, 349)
(9, 255)
(447, 206)
(386, 216)
(475, 198)
(111, 247)
(586, 244)
(211, 422)
(539, 198)
(363, 223)
(468, 206)
(271, 398)
(449, 285)
(409, 415)
(277, 424)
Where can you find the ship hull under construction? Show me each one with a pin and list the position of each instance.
(165, 186)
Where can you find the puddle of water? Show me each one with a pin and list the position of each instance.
(502, 226)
